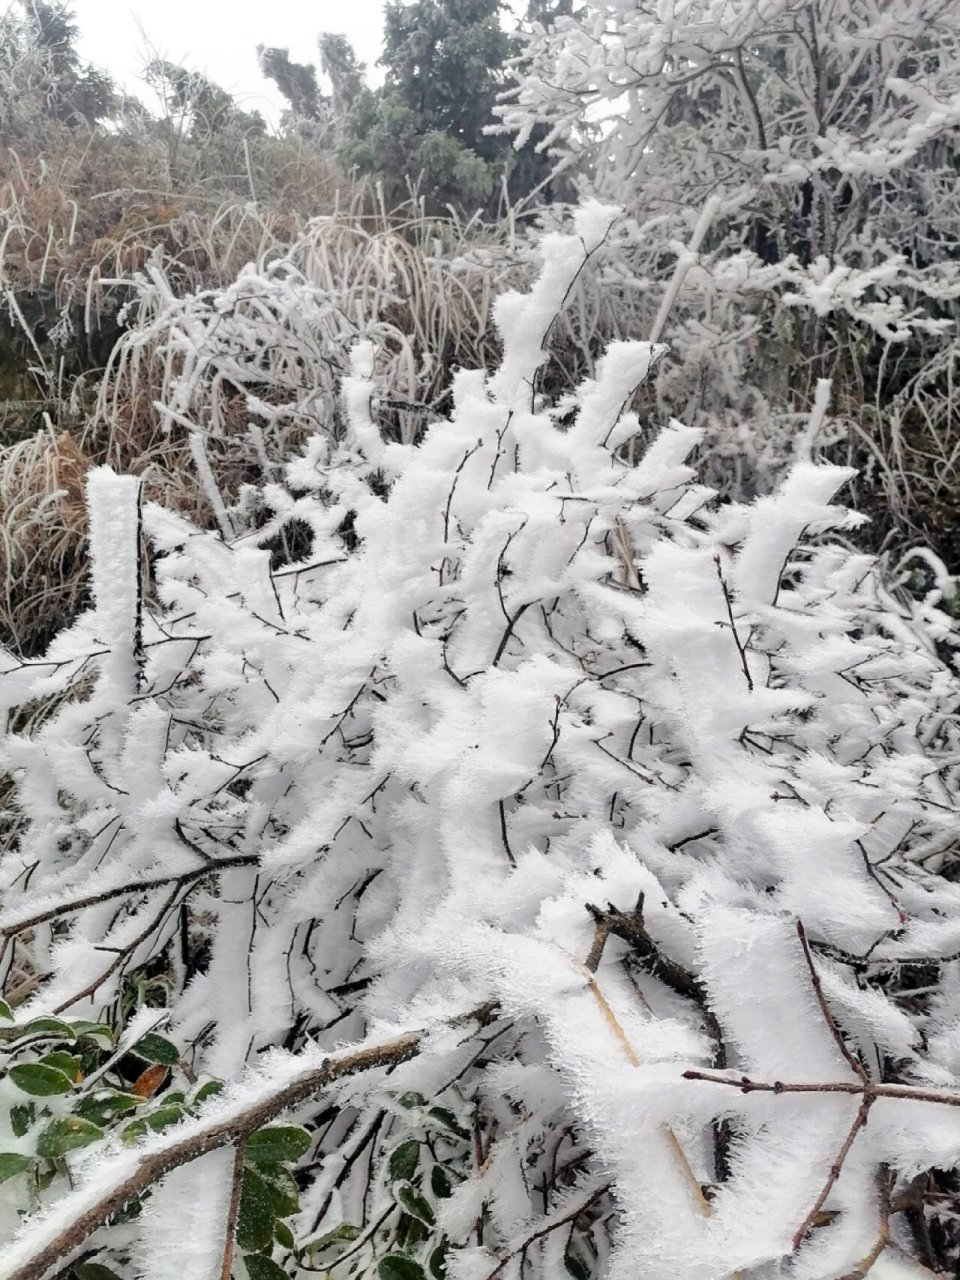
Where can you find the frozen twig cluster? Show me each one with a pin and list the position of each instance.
(513, 789)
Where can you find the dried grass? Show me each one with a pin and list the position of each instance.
(43, 529)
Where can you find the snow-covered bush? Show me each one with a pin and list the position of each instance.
(822, 139)
(571, 858)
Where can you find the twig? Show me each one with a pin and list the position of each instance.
(135, 886)
(508, 632)
(236, 1189)
(121, 956)
(859, 1120)
(630, 928)
(870, 1089)
(865, 1265)
(733, 625)
(570, 1215)
(851, 1058)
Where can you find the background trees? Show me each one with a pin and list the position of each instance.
(38, 57)
(825, 133)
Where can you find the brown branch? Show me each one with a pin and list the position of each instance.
(134, 886)
(630, 928)
(851, 1058)
(600, 936)
(859, 1120)
(903, 1092)
(233, 1212)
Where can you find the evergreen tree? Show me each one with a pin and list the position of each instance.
(297, 81)
(210, 108)
(70, 90)
(445, 63)
(338, 62)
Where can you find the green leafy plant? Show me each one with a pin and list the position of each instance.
(69, 1083)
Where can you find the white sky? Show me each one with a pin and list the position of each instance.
(220, 38)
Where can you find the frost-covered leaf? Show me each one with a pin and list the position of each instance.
(157, 1049)
(256, 1217)
(39, 1080)
(12, 1163)
(397, 1266)
(67, 1133)
(404, 1160)
(277, 1144)
(410, 1199)
(263, 1268)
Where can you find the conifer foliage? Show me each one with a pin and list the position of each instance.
(554, 868)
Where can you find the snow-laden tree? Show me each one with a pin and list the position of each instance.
(820, 137)
(566, 863)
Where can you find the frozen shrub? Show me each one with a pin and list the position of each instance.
(571, 858)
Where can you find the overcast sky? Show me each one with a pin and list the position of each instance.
(220, 37)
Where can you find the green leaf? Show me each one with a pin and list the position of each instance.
(164, 1117)
(208, 1090)
(397, 1266)
(63, 1061)
(281, 1143)
(94, 1271)
(12, 1163)
(410, 1232)
(260, 1267)
(448, 1120)
(21, 1118)
(155, 1048)
(50, 1028)
(6, 1011)
(284, 1192)
(411, 1100)
(94, 1031)
(404, 1160)
(576, 1268)
(440, 1183)
(343, 1234)
(134, 1132)
(284, 1235)
(67, 1133)
(438, 1261)
(256, 1216)
(410, 1199)
(40, 1081)
(102, 1109)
